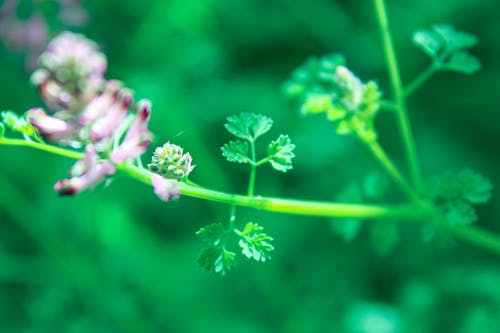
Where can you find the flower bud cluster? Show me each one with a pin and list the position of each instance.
(86, 110)
(171, 161)
(71, 73)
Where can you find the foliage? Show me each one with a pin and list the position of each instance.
(254, 243)
(448, 48)
(456, 193)
(116, 259)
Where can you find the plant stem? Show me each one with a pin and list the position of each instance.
(388, 105)
(253, 170)
(398, 93)
(43, 147)
(420, 80)
(287, 206)
(391, 169)
(232, 217)
(476, 236)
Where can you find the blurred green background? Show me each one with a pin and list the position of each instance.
(119, 260)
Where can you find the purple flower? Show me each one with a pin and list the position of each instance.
(164, 188)
(71, 74)
(105, 126)
(138, 137)
(101, 103)
(86, 173)
(51, 128)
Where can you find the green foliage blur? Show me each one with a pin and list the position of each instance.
(117, 259)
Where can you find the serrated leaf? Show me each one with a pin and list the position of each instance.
(375, 186)
(212, 233)
(428, 41)
(313, 76)
(236, 151)
(462, 62)
(281, 153)
(455, 40)
(460, 213)
(316, 103)
(348, 229)
(254, 243)
(475, 187)
(384, 235)
(448, 47)
(216, 259)
(248, 126)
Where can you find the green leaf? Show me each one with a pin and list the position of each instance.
(316, 103)
(17, 123)
(448, 48)
(460, 213)
(455, 194)
(475, 187)
(314, 76)
(2, 130)
(254, 243)
(236, 151)
(348, 229)
(375, 186)
(384, 235)
(455, 40)
(212, 233)
(462, 62)
(248, 126)
(281, 153)
(217, 259)
(428, 41)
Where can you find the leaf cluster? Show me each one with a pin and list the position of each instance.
(249, 127)
(326, 86)
(455, 194)
(18, 124)
(448, 48)
(215, 257)
(254, 244)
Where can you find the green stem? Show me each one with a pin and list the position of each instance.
(287, 206)
(232, 217)
(392, 171)
(253, 170)
(476, 236)
(388, 105)
(419, 80)
(43, 147)
(263, 161)
(398, 93)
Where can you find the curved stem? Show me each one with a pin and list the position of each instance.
(43, 147)
(398, 93)
(420, 80)
(476, 236)
(253, 170)
(392, 171)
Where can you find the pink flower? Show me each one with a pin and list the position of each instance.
(138, 137)
(100, 105)
(86, 173)
(164, 188)
(52, 128)
(105, 126)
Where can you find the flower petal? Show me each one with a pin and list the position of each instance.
(164, 188)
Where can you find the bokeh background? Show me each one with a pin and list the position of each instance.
(119, 260)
